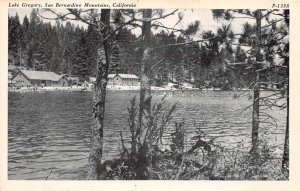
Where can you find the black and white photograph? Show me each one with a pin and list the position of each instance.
(106, 93)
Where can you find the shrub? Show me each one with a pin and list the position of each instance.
(204, 160)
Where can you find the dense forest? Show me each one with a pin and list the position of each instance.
(67, 48)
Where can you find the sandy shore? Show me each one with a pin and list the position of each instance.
(80, 88)
(115, 87)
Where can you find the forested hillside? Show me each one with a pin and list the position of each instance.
(67, 48)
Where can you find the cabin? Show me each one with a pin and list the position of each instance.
(73, 80)
(119, 79)
(12, 69)
(25, 78)
(123, 79)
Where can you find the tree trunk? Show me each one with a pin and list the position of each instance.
(144, 152)
(285, 158)
(255, 121)
(255, 111)
(103, 59)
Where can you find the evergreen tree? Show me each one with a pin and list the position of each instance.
(92, 41)
(79, 57)
(14, 39)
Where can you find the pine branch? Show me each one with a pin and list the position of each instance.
(78, 17)
(168, 28)
(153, 19)
(179, 44)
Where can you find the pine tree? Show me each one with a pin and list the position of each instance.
(80, 67)
(14, 39)
(92, 41)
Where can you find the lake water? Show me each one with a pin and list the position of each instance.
(49, 133)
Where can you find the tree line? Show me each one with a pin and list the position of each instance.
(68, 48)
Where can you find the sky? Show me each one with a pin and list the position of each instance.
(203, 15)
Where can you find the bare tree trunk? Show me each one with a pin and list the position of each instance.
(255, 111)
(255, 121)
(144, 155)
(103, 59)
(285, 158)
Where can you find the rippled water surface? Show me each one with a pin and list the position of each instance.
(48, 133)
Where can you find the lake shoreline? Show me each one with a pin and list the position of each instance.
(111, 87)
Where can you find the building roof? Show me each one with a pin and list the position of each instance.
(111, 75)
(128, 76)
(123, 76)
(72, 78)
(41, 75)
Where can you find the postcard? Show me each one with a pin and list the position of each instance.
(141, 95)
